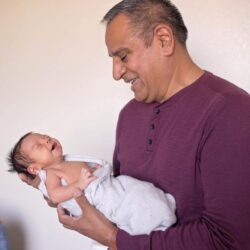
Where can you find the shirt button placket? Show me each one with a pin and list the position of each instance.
(150, 141)
(157, 111)
(151, 134)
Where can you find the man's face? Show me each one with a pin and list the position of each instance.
(42, 149)
(135, 63)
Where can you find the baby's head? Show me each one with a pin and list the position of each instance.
(34, 152)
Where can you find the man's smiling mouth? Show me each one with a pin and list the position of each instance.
(132, 81)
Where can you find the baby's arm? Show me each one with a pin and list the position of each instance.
(86, 177)
(58, 193)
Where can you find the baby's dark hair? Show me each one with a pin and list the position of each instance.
(17, 160)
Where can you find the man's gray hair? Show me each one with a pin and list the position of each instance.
(145, 15)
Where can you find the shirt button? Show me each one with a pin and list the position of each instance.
(157, 111)
(152, 126)
(150, 141)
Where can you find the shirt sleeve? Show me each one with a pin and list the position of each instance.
(225, 170)
(116, 163)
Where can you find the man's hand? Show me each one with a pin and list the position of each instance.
(32, 182)
(91, 223)
(35, 183)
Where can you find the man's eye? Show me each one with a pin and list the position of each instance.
(123, 58)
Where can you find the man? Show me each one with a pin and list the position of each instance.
(187, 131)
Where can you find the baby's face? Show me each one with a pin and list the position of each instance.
(42, 149)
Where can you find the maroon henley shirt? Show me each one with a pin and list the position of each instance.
(196, 146)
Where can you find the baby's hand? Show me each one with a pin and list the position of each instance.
(95, 167)
(86, 177)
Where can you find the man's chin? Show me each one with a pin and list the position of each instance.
(143, 99)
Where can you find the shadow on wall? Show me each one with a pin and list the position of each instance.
(15, 236)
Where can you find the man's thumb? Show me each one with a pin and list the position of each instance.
(77, 193)
(80, 198)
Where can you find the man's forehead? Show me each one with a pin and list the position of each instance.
(118, 26)
(118, 33)
(119, 20)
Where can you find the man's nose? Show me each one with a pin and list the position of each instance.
(118, 69)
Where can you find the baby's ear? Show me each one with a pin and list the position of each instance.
(33, 169)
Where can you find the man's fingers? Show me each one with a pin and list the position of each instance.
(77, 193)
(69, 222)
(32, 182)
(63, 217)
(49, 202)
(35, 182)
(80, 198)
(23, 177)
(60, 211)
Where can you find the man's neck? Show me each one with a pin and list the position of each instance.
(185, 72)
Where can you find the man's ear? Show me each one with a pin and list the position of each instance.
(164, 35)
(33, 168)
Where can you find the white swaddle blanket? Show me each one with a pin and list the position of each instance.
(135, 206)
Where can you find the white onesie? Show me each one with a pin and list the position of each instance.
(135, 206)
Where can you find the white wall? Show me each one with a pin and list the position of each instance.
(55, 78)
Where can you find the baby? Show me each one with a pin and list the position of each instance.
(137, 207)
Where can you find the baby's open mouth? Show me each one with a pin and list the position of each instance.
(53, 146)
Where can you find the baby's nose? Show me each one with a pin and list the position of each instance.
(47, 139)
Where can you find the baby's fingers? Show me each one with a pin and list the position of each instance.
(92, 178)
(85, 172)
